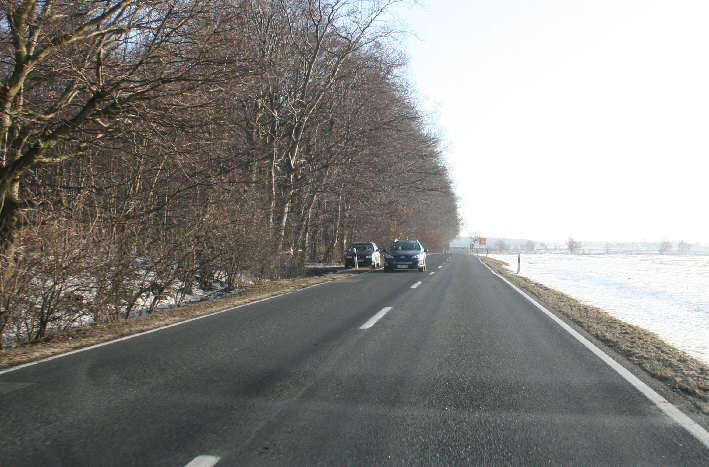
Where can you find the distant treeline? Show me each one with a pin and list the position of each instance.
(153, 143)
(583, 247)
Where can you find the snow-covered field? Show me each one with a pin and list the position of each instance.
(668, 295)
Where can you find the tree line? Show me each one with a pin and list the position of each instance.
(146, 144)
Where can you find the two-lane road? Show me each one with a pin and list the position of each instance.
(448, 366)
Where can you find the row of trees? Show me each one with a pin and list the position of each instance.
(666, 247)
(574, 246)
(146, 144)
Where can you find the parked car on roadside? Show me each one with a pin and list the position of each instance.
(368, 255)
(405, 254)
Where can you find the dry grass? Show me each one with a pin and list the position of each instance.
(87, 336)
(680, 372)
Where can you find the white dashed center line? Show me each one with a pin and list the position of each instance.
(431, 273)
(413, 286)
(440, 267)
(376, 318)
(203, 461)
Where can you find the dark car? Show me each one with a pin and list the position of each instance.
(367, 255)
(405, 254)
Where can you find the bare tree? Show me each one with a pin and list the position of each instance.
(683, 247)
(572, 245)
(72, 72)
(310, 55)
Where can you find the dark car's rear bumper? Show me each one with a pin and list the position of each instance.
(397, 264)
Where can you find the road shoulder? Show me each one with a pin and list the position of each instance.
(678, 377)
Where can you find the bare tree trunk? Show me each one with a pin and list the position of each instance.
(338, 224)
(10, 220)
(274, 193)
(303, 233)
(286, 210)
(10, 216)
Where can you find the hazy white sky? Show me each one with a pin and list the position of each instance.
(587, 118)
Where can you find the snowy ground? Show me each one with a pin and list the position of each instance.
(668, 295)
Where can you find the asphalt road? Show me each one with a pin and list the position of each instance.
(457, 370)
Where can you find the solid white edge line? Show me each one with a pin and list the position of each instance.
(663, 404)
(203, 461)
(150, 331)
(413, 286)
(372, 321)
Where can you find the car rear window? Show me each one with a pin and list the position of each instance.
(400, 246)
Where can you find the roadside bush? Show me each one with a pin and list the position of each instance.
(49, 289)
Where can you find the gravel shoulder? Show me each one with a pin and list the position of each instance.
(681, 378)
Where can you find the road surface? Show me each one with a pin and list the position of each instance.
(448, 366)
